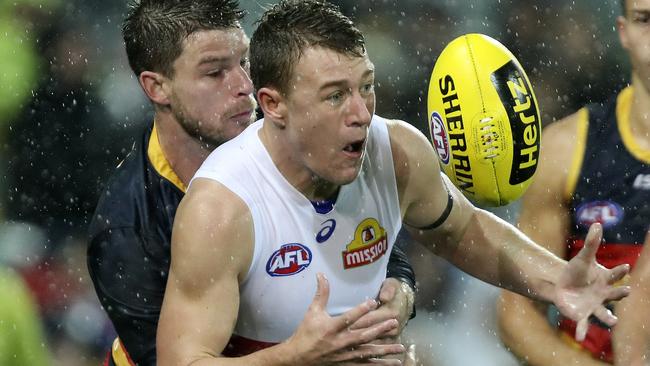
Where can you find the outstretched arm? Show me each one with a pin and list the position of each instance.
(489, 248)
(202, 297)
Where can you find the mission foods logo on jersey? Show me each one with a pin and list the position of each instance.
(607, 213)
(369, 244)
(290, 259)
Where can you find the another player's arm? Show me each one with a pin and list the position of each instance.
(631, 337)
(397, 293)
(212, 246)
(489, 248)
(544, 217)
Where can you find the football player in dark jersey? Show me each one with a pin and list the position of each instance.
(595, 167)
(191, 59)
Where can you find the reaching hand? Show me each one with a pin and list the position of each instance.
(396, 302)
(325, 340)
(584, 286)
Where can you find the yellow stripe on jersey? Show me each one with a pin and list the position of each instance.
(120, 357)
(160, 162)
(623, 104)
(578, 153)
(573, 343)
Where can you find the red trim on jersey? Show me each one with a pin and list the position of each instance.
(240, 346)
(598, 340)
(610, 255)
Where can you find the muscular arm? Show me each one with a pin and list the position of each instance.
(472, 239)
(544, 218)
(202, 296)
(490, 249)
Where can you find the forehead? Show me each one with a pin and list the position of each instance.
(222, 43)
(319, 65)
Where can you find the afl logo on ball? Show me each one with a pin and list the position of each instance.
(290, 259)
(607, 213)
(439, 137)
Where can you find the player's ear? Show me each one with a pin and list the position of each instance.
(153, 85)
(273, 104)
(621, 24)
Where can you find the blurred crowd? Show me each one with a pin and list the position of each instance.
(70, 109)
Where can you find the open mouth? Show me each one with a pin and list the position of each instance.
(355, 147)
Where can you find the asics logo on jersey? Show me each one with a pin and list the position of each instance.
(642, 181)
(290, 259)
(607, 213)
(326, 231)
(439, 137)
(370, 243)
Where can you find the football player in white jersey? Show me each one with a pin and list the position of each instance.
(315, 84)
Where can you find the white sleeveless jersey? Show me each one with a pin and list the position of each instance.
(351, 244)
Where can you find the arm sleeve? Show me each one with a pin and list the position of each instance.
(130, 284)
(399, 266)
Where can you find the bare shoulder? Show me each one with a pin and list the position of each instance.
(560, 142)
(410, 148)
(559, 138)
(213, 228)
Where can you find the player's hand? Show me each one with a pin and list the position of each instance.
(584, 286)
(325, 340)
(395, 302)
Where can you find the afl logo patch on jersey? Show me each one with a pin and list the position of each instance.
(607, 213)
(369, 244)
(290, 259)
(439, 137)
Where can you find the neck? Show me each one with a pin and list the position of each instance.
(639, 111)
(183, 152)
(294, 170)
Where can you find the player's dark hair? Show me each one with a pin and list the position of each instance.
(624, 11)
(154, 30)
(291, 26)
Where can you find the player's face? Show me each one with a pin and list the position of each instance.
(211, 91)
(634, 31)
(330, 105)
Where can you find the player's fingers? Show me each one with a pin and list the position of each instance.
(618, 293)
(606, 316)
(345, 320)
(374, 317)
(388, 290)
(322, 292)
(368, 335)
(367, 353)
(592, 242)
(617, 273)
(581, 329)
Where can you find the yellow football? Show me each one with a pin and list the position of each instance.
(484, 120)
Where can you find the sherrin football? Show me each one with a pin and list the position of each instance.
(484, 121)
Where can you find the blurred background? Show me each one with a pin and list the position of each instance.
(70, 108)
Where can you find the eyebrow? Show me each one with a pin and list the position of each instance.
(213, 59)
(343, 82)
(640, 11)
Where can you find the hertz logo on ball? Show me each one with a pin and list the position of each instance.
(491, 119)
